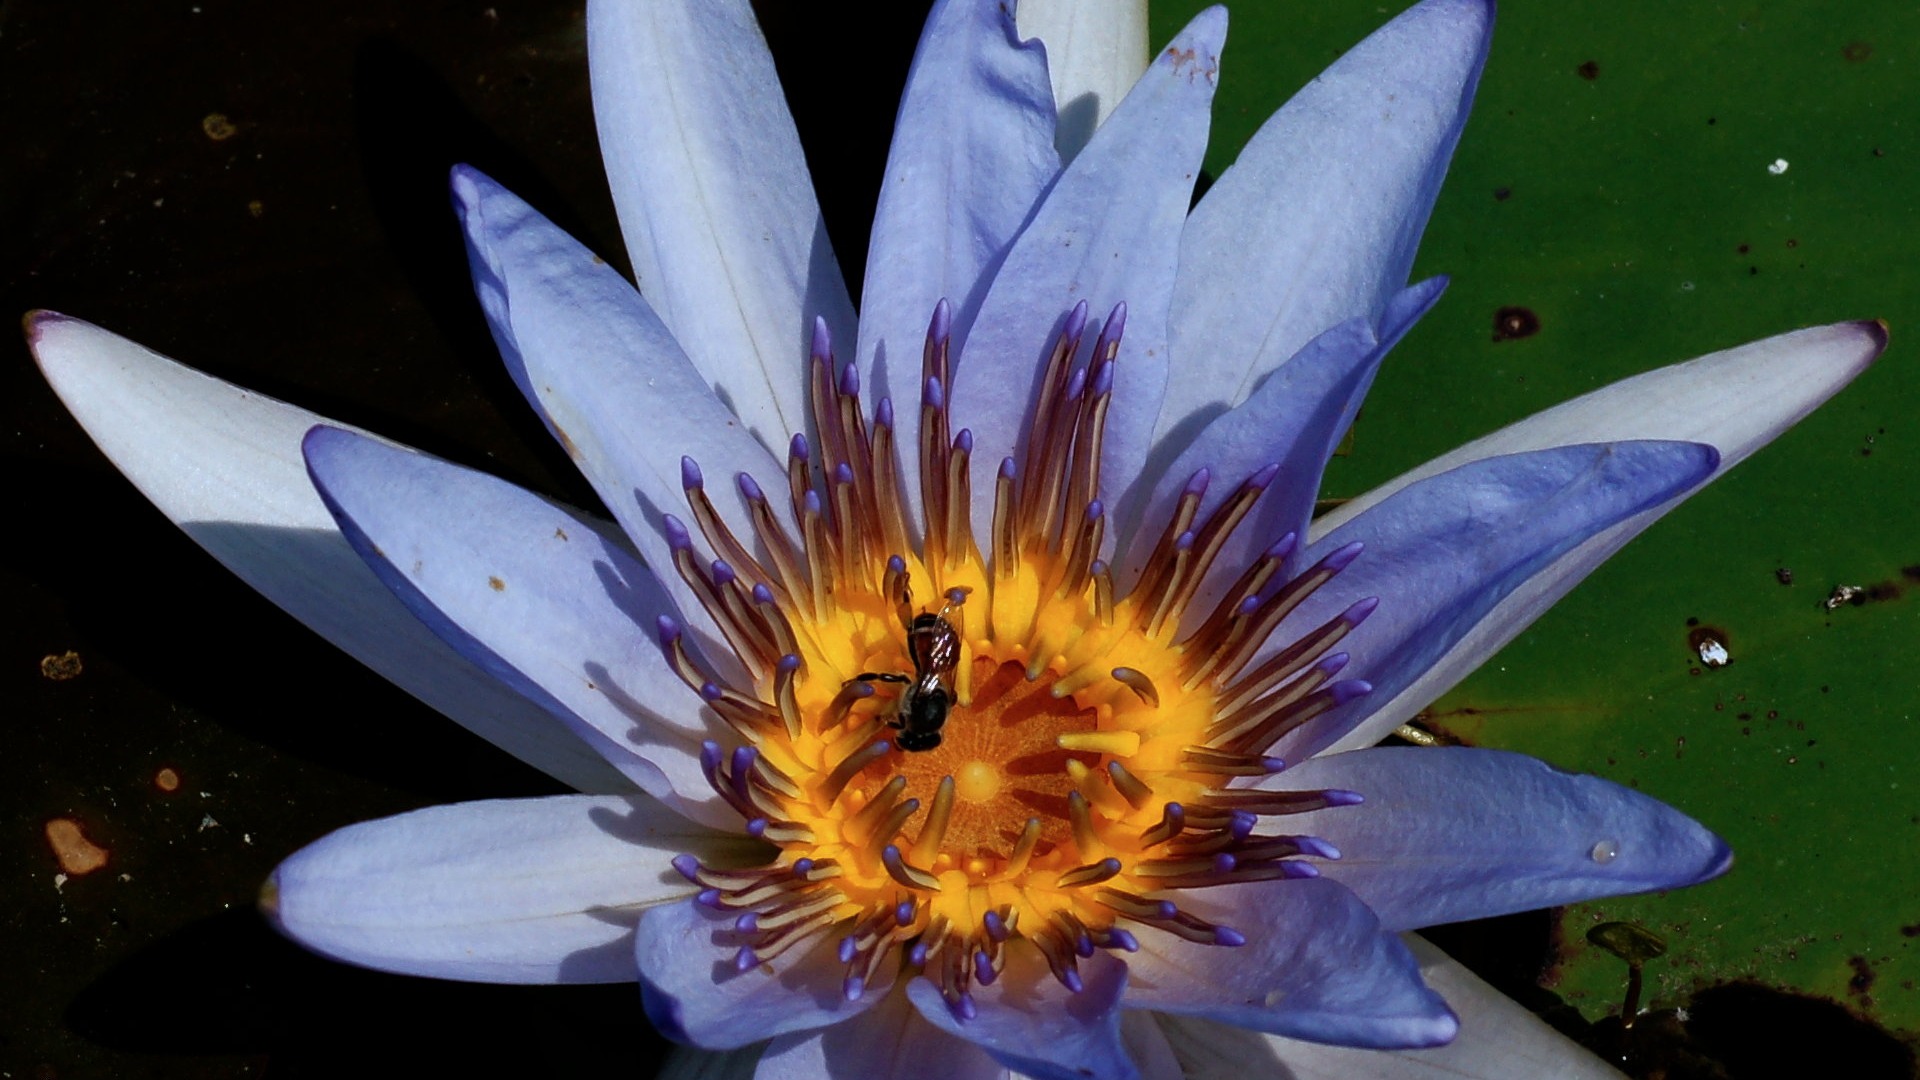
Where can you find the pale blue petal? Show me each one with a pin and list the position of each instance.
(1451, 833)
(606, 376)
(1108, 232)
(715, 200)
(694, 993)
(1736, 401)
(1317, 220)
(1316, 965)
(972, 152)
(1442, 553)
(1498, 1040)
(1032, 1024)
(534, 596)
(512, 891)
(888, 1040)
(224, 464)
(1293, 420)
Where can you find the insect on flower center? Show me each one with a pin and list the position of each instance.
(955, 747)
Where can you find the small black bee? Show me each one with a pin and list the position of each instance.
(934, 648)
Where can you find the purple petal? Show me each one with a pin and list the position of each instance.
(877, 1043)
(1735, 401)
(1034, 1025)
(694, 993)
(1106, 233)
(224, 464)
(715, 201)
(972, 151)
(1449, 833)
(591, 356)
(533, 595)
(513, 891)
(1498, 1040)
(1294, 419)
(1441, 555)
(1317, 221)
(1316, 965)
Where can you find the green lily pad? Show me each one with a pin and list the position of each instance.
(1640, 184)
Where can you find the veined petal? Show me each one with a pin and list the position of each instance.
(1443, 553)
(1735, 401)
(1108, 232)
(972, 152)
(1317, 220)
(593, 359)
(533, 595)
(1294, 419)
(888, 1040)
(1316, 965)
(1498, 1040)
(224, 464)
(694, 993)
(511, 891)
(1094, 54)
(1450, 833)
(1033, 1025)
(715, 200)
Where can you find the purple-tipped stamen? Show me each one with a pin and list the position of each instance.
(1344, 557)
(676, 533)
(1348, 690)
(690, 477)
(688, 866)
(941, 325)
(821, 347)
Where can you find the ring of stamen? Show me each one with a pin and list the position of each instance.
(1085, 771)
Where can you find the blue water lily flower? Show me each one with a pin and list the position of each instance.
(965, 684)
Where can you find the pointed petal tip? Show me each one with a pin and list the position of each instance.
(34, 324)
(1877, 330)
(1207, 31)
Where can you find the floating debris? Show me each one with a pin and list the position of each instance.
(1843, 594)
(77, 854)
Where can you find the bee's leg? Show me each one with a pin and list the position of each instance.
(880, 676)
(903, 599)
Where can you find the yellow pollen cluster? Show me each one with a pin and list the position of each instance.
(954, 749)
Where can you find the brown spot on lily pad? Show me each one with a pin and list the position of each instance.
(1854, 52)
(1510, 323)
(1588, 71)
